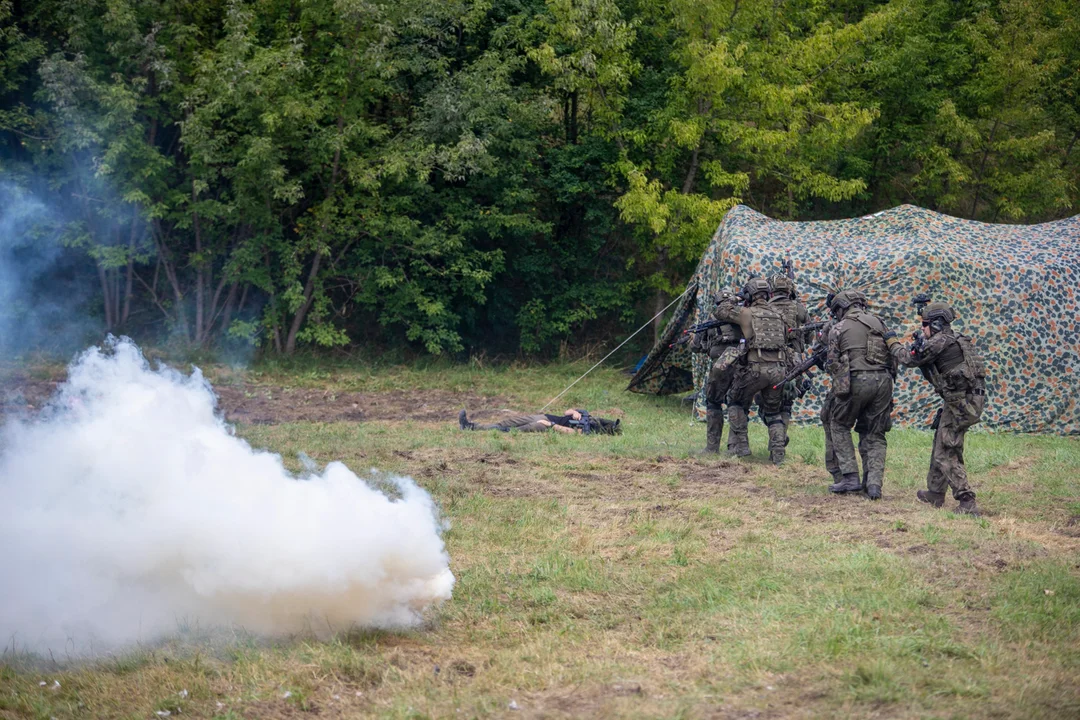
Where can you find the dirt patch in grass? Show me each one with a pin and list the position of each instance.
(21, 394)
(720, 472)
(267, 404)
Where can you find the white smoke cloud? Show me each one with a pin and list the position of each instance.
(131, 507)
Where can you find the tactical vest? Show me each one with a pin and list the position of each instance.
(877, 352)
(973, 361)
(770, 331)
(789, 311)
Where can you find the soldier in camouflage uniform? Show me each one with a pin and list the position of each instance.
(957, 371)
(762, 365)
(861, 368)
(784, 300)
(722, 345)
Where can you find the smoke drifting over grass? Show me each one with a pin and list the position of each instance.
(44, 297)
(129, 506)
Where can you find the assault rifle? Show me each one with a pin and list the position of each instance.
(694, 330)
(817, 359)
(918, 342)
(584, 424)
(817, 325)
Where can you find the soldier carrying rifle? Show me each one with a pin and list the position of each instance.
(720, 340)
(955, 368)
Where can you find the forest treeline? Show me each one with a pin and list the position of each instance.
(511, 175)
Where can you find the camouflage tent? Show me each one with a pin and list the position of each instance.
(1014, 288)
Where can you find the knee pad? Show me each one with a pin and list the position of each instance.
(771, 420)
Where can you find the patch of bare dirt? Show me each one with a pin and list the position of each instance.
(261, 404)
(722, 472)
(20, 394)
(266, 404)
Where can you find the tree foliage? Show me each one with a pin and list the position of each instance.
(502, 174)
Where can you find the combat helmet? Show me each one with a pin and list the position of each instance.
(938, 315)
(938, 311)
(782, 285)
(845, 299)
(756, 286)
(725, 293)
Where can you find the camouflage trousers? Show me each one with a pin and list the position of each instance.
(749, 380)
(959, 412)
(867, 408)
(524, 423)
(831, 463)
(718, 384)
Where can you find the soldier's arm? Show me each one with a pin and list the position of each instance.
(699, 342)
(728, 310)
(821, 341)
(931, 349)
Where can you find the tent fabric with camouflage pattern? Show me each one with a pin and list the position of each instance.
(1014, 288)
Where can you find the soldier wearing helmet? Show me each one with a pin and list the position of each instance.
(955, 368)
(784, 300)
(862, 371)
(762, 365)
(722, 345)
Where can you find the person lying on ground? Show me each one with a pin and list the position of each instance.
(572, 421)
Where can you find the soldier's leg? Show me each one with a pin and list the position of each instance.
(875, 421)
(789, 405)
(935, 477)
(951, 460)
(525, 423)
(714, 415)
(864, 451)
(772, 403)
(738, 400)
(831, 463)
(721, 389)
(841, 419)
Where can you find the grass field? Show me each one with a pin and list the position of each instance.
(621, 577)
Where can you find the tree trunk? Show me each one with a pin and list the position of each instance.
(200, 330)
(174, 282)
(103, 276)
(573, 118)
(309, 286)
(982, 169)
(275, 328)
(230, 304)
(661, 297)
(126, 313)
(302, 311)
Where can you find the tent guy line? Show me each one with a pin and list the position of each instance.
(689, 287)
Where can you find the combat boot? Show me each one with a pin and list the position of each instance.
(934, 498)
(873, 492)
(777, 442)
(850, 483)
(967, 506)
(714, 429)
(463, 422)
(738, 440)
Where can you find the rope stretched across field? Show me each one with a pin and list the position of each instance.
(647, 324)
